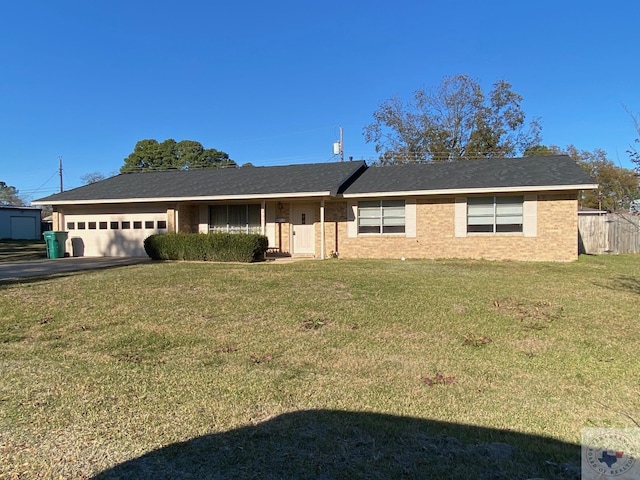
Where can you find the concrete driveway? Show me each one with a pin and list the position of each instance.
(36, 268)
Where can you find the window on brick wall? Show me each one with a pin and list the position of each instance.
(495, 214)
(381, 216)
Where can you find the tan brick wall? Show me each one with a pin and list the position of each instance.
(188, 218)
(335, 227)
(283, 230)
(556, 239)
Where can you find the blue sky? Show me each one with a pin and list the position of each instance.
(271, 82)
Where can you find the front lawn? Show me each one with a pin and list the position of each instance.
(12, 250)
(317, 369)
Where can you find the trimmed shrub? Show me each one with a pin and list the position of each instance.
(215, 247)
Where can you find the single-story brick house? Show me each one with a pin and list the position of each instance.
(19, 223)
(505, 208)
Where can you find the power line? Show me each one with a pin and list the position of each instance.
(41, 186)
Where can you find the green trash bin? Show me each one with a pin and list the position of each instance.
(55, 243)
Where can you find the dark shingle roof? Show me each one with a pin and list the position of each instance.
(350, 178)
(245, 181)
(551, 171)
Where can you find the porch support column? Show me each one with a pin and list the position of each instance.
(263, 217)
(172, 219)
(57, 219)
(322, 229)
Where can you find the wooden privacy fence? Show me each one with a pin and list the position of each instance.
(609, 233)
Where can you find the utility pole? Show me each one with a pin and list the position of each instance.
(60, 171)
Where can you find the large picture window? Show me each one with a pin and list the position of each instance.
(381, 216)
(235, 218)
(494, 214)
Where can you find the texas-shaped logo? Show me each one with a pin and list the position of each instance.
(609, 459)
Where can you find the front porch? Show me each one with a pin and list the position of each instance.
(294, 227)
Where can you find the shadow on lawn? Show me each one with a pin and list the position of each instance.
(326, 444)
(628, 283)
(5, 282)
(40, 271)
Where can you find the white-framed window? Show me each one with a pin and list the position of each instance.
(381, 216)
(235, 218)
(496, 214)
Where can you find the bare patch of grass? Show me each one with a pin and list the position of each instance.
(476, 340)
(438, 379)
(532, 346)
(314, 323)
(533, 315)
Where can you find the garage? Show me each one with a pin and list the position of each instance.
(111, 234)
(19, 223)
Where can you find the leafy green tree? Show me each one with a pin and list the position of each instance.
(617, 186)
(541, 151)
(184, 155)
(454, 121)
(9, 195)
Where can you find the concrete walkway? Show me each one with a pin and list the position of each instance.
(36, 268)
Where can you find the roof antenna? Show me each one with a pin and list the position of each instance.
(338, 147)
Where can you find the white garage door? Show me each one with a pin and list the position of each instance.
(111, 235)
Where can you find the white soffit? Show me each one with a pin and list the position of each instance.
(470, 191)
(188, 199)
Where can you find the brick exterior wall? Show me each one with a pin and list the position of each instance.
(282, 236)
(188, 218)
(556, 238)
(335, 227)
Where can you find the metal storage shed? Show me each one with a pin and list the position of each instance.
(19, 223)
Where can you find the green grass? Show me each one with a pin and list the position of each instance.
(12, 250)
(337, 368)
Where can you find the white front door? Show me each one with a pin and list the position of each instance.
(303, 229)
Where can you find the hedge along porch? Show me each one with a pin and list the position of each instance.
(290, 225)
(511, 209)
